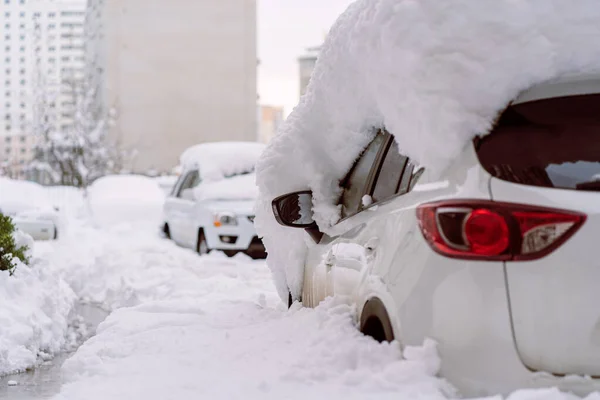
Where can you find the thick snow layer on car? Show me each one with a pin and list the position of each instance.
(118, 199)
(19, 196)
(221, 159)
(241, 187)
(434, 73)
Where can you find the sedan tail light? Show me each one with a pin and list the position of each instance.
(487, 230)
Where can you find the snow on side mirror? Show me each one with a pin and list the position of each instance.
(294, 209)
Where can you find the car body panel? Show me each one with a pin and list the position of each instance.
(554, 300)
(186, 217)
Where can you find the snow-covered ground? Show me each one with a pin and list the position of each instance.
(189, 327)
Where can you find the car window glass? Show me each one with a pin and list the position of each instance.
(355, 184)
(407, 175)
(177, 185)
(189, 182)
(391, 171)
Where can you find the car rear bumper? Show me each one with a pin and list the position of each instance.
(465, 309)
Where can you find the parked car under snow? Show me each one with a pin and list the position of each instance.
(212, 205)
(30, 208)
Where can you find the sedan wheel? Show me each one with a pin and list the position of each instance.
(202, 247)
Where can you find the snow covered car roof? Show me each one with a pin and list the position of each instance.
(218, 160)
(434, 73)
(18, 196)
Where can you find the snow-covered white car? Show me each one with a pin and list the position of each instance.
(494, 258)
(212, 205)
(30, 208)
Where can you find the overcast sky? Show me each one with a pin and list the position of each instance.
(285, 29)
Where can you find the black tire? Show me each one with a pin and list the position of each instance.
(230, 253)
(166, 231)
(375, 321)
(290, 300)
(55, 233)
(202, 246)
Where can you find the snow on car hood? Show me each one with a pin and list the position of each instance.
(241, 187)
(434, 73)
(216, 161)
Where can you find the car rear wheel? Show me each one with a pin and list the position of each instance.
(202, 246)
(55, 233)
(166, 231)
(375, 321)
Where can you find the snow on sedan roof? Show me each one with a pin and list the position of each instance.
(17, 196)
(218, 160)
(435, 73)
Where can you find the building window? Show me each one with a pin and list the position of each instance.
(7, 71)
(7, 26)
(8, 129)
(23, 151)
(7, 116)
(7, 139)
(51, 26)
(22, 59)
(7, 94)
(23, 138)
(7, 48)
(7, 14)
(22, 117)
(6, 1)
(22, 105)
(22, 1)
(22, 26)
(52, 48)
(22, 14)
(7, 83)
(51, 15)
(22, 82)
(7, 105)
(22, 49)
(52, 60)
(7, 37)
(22, 37)
(22, 72)
(37, 15)
(7, 60)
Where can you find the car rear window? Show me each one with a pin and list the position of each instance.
(548, 143)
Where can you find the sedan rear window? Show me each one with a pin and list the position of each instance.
(551, 143)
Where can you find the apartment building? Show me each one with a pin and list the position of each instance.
(177, 73)
(41, 48)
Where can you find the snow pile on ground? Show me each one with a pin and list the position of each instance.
(434, 73)
(118, 199)
(240, 187)
(34, 317)
(219, 160)
(213, 327)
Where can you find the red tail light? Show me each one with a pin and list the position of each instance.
(488, 230)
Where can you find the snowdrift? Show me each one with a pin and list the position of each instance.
(434, 73)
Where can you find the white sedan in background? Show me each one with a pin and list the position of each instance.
(30, 208)
(212, 205)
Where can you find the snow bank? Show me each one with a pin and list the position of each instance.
(434, 73)
(221, 159)
(241, 187)
(34, 317)
(125, 199)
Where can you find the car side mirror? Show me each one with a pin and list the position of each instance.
(294, 209)
(188, 194)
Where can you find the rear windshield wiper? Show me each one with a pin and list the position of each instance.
(592, 186)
